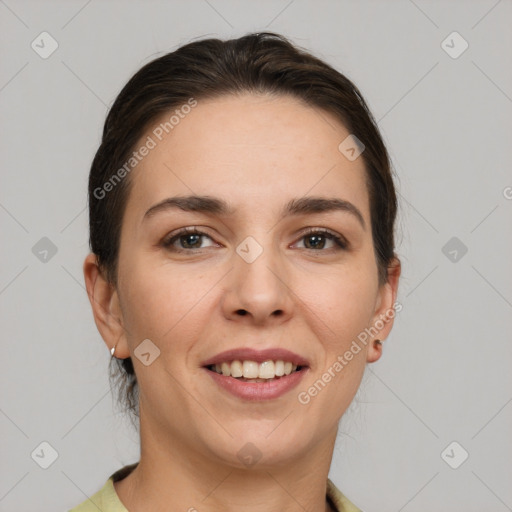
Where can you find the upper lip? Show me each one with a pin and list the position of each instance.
(258, 356)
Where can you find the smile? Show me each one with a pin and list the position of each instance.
(251, 371)
(254, 381)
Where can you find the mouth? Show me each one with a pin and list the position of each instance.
(256, 375)
(254, 372)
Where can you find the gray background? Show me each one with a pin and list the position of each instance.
(445, 375)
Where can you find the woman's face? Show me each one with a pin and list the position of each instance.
(266, 272)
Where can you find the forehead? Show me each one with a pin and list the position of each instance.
(251, 148)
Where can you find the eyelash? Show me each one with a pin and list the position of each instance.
(341, 242)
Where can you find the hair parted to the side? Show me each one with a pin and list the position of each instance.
(261, 63)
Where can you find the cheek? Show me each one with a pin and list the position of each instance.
(344, 302)
(341, 313)
(159, 301)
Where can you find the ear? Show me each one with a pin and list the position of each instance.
(385, 311)
(106, 309)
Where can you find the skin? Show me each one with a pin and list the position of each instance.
(257, 153)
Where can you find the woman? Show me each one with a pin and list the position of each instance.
(242, 273)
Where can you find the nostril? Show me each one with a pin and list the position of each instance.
(242, 312)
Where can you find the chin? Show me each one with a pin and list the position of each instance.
(254, 445)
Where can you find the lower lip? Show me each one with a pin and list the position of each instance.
(258, 390)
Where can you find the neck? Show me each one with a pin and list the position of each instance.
(174, 476)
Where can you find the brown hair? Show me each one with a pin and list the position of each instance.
(258, 63)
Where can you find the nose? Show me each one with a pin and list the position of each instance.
(257, 293)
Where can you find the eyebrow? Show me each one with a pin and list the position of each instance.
(216, 206)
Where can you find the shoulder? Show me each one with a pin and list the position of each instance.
(340, 502)
(105, 500)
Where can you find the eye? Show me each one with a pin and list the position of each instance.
(186, 238)
(318, 238)
(190, 238)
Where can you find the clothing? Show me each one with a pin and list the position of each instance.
(107, 500)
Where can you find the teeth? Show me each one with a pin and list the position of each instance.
(251, 370)
(266, 370)
(236, 369)
(226, 369)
